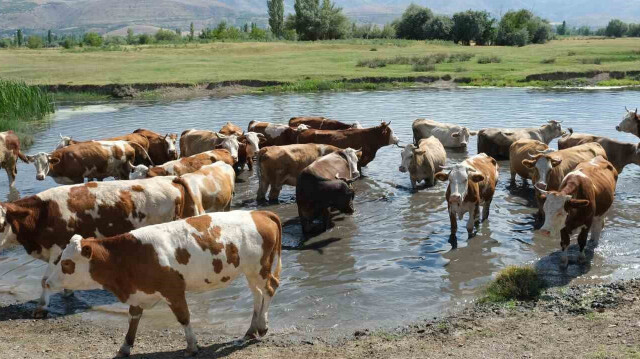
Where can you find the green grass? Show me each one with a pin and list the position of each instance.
(22, 107)
(514, 283)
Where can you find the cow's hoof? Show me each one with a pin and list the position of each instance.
(263, 332)
(582, 258)
(123, 353)
(564, 264)
(67, 293)
(40, 313)
(191, 352)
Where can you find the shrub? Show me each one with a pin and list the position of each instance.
(145, 39)
(571, 53)
(115, 40)
(413, 22)
(423, 67)
(634, 30)
(290, 35)
(591, 61)
(69, 42)
(21, 104)
(514, 283)
(460, 57)
(372, 63)
(439, 28)
(34, 42)
(459, 69)
(4, 43)
(476, 26)
(550, 60)
(489, 60)
(165, 35)
(92, 39)
(616, 28)
(519, 28)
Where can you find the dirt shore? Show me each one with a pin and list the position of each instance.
(590, 321)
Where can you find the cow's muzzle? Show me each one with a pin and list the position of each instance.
(455, 198)
(618, 128)
(402, 169)
(541, 185)
(545, 232)
(40, 177)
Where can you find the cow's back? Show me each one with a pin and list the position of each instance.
(523, 150)
(434, 153)
(193, 142)
(329, 166)
(571, 158)
(603, 178)
(488, 166)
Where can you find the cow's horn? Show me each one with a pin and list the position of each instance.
(626, 109)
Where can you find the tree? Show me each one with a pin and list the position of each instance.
(616, 28)
(413, 22)
(315, 22)
(634, 30)
(584, 30)
(192, 32)
(439, 28)
(519, 28)
(307, 19)
(92, 39)
(476, 26)
(276, 16)
(333, 24)
(34, 42)
(130, 38)
(562, 29)
(165, 35)
(49, 38)
(19, 37)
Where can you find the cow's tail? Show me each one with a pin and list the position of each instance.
(22, 156)
(191, 206)
(143, 151)
(273, 279)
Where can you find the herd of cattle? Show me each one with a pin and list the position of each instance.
(163, 227)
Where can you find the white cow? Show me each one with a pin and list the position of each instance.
(630, 123)
(424, 161)
(450, 135)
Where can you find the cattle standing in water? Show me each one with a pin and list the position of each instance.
(523, 150)
(139, 143)
(281, 165)
(549, 169)
(162, 149)
(450, 135)
(44, 223)
(276, 134)
(94, 159)
(619, 153)
(321, 123)
(230, 129)
(368, 140)
(630, 123)
(212, 186)
(197, 254)
(325, 184)
(581, 203)
(424, 161)
(496, 142)
(249, 147)
(193, 142)
(183, 166)
(9, 154)
(471, 183)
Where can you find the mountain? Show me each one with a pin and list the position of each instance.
(107, 15)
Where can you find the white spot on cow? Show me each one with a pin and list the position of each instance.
(273, 131)
(555, 214)
(139, 172)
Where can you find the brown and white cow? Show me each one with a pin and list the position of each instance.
(44, 223)
(471, 183)
(450, 135)
(212, 186)
(197, 254)
(93, 159)
(193, 142)
(182, 166)
(496, 142)
(249, 145)
(619, 153)
(162, 149)
(139, 143)
(276, 134)
(424, 161)
(230, 129)
(9, 154)
(630, 123)
(580, 204)
(368, 140)
(523, 150)
(281, 165)
(326, 184)
(321, 123)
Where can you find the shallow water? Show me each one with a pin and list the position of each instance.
(391, 261)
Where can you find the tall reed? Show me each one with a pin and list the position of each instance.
(21, 107)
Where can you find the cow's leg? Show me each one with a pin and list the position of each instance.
(134, 319)
(582, 242)
(274, 193)
(42, 309)
(180, 309)
(454, 223)
(472, 219)
(250, 163)
(326, 218)
(596, 228)
(513, 176)
(413, 183)
(263, 186)
(485, 209)
(12, 170)
(565, 240)
(258, 302)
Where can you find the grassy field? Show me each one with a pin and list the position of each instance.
(305, 65)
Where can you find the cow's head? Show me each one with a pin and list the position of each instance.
(343, 197)
(229, 143)
(43, 162)
(461, 138)
(169, 141)
(459, 177)
(630, 122)
(553, 129)
(408, 154)
(252, 139)
(302, 127)
(72, 270)
(352, 160)
(556, 210)
(64, 142)
(542, 164)
(139, 172)
(357, 125)
(389, 138)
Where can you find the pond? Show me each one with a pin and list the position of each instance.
(392, 261)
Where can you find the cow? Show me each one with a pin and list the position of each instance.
(249, 145)
(325, 184)
(44, 223)
(496, 142)
(322, 123)
(424, 161)
(630, 123)
(9, 154)
(183, 166)
(230, 129)
(524, 150)
(275, 134)
(93, 159)
(453, 136)
(471, 183)
(580, 203)
(620, 154)
(162, 149)
(281, 165)
(196, 254)
(368, 140)
(193, 142)
(139, 143)
(212, 186)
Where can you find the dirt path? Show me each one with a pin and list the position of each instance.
(594, 321)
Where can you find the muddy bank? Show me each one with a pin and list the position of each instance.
(599, 321)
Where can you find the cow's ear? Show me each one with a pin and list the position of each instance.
(455, 135)
(86, 251)
(555, 162)
(473, 133)
(477, 177)
(441, 176)
(54, 161)
(359, 154)
(577, 203)
(529, 163)
(419, 152)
